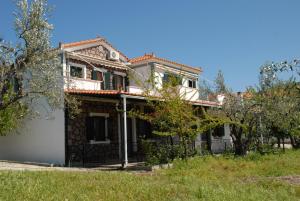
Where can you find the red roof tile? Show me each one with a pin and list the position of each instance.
(83, 42)
(153, 57)
(100, 92)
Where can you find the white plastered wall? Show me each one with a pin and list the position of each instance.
(39, 140)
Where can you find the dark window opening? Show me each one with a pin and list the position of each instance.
(76, 71)
(172, 79)
(117, 82)
(113, 81)
(96, 128)
(218, 132)
(192, 83)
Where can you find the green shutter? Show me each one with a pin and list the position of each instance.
(94, 75)
(107, 76)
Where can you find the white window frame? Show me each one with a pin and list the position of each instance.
(106, 115)
(77, 65)
(190, 79)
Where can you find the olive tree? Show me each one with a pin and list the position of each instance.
(170, 114)
(280, 101)
(30, 70)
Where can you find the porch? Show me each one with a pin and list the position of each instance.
(98, 134)
(103, 133)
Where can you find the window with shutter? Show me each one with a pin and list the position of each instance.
(96, 128)
(97, 75)
(117, 82)
(107, 80)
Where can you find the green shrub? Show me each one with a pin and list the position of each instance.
(163, 152)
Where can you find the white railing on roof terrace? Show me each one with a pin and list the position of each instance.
(135, 89)
(190, 94)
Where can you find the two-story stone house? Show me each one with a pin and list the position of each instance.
(98, 75)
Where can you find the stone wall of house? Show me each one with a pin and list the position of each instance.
(79, 149)
(77, 126)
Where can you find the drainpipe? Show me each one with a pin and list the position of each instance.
(125, 162)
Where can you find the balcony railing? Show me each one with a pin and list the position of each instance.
(84, 84)
(190, 94)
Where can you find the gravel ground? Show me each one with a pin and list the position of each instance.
(17, 166)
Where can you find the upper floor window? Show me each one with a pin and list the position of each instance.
(77, 70)
(192, 83)
(117, 82)
(97, 75)
(172, 79)
(113, 81)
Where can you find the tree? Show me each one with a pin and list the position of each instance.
(236, 111)
(220, 83)
(31, 73)
(171, 115)
(280, 101)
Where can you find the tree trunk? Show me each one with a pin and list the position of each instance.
(208, 141)
(295, 142)
(239, 147)
(185, 148)
(278, 142)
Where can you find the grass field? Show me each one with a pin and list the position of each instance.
(206, 178)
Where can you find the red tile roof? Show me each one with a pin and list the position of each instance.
(153, 57)
(83, 42)
(93, 92)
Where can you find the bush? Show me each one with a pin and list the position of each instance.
(163, 152)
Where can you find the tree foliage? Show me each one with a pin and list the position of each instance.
(31, 73)
(280, 101)
(220, 83)
(171, 115)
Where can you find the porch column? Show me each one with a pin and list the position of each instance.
(134, 140)
(125, 163)
(119, 136)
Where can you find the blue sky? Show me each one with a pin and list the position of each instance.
(236, 36)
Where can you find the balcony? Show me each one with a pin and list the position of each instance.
(135, 89)
(83, 84)
(190, 94)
